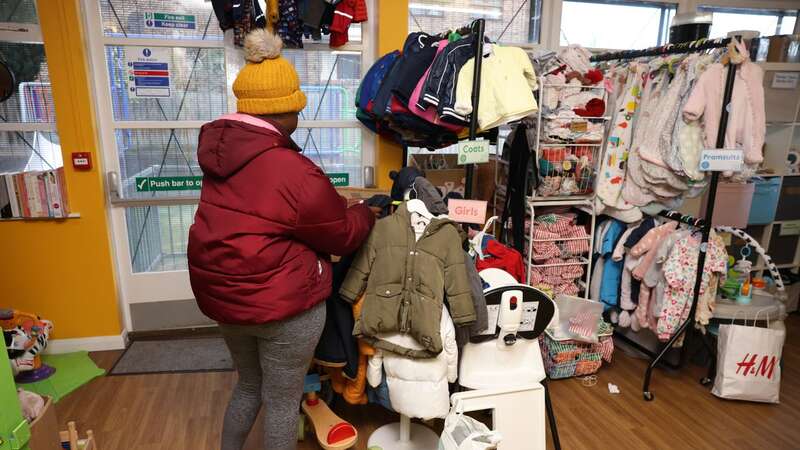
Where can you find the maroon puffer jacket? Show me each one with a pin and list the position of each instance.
(267, 221)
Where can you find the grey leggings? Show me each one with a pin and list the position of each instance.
(272, 360)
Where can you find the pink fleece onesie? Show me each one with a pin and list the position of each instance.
(746, 123)
(648, 246)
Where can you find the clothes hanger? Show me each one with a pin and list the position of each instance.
(476, 248)
(417, 206)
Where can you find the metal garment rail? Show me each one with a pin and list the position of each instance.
(478, 29)
(669, 49)
(704, 225)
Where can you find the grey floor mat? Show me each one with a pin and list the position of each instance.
(174, 356)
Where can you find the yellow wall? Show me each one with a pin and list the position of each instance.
(392, 31)
(63, 270)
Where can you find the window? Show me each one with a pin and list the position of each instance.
(18, 11)
(28, 137)
(508, 21)
(765, 21)
(157, 137)
(613, 24)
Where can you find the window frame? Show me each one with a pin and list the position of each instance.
(483, 3)
(759, 11)
(552, 9)
(25, 33)
(663, 5)
(97, 41)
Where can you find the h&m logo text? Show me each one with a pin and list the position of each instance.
(766, 366)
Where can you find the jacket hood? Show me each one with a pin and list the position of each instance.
(436, 222)
(226, 145)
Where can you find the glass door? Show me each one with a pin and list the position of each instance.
(159, 74)
(161, 69)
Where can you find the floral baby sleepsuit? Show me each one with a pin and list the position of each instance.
(612, 172)
(680, 271)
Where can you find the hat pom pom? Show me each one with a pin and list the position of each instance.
(261, 44)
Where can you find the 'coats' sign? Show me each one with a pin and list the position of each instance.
(473, 152)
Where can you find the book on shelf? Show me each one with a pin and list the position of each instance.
(13, 195)
(34, 194)
(5, 203)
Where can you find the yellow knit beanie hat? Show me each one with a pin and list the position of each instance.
(268, 83)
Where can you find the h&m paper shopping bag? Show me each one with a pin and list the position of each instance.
(748, 363)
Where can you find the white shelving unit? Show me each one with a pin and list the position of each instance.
(564, 160)
(585, 205)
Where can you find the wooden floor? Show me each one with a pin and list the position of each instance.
(184, 411)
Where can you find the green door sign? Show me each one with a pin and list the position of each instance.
(155, 184)
(339, 179)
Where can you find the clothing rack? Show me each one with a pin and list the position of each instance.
(478, 28)
(703, 225)
(682, 218)
(668, 49)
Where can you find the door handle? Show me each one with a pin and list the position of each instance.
(114, 187)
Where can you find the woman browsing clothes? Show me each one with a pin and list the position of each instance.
(259, 248)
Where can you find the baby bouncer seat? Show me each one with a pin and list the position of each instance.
(503, 368)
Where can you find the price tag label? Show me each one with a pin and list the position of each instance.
(790, 228)
(785, 80)
(578, 127)
(473, 152)
(720, 160)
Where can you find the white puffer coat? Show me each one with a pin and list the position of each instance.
(418, 387)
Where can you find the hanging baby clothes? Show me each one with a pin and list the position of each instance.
(353, 388)
(506, 89)
(746, 123)
(612, 269)
(290, 27)
(427, 112)
(418, 387)
(648, 248)
(669, 144)
(440, 85)
(660, 179)
(346, 13)
(634, 190)
(655, 282)
(242, 16)
(464, 332)
(419, 51)
(405, 282)
(517, 150)
(499, 256)
(612, 171)
(680, 271)
(688, 137)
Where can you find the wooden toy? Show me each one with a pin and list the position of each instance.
(332, 432)
(71, 441)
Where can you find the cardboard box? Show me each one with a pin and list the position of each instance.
(44, 429)
(452, 177)
(355, 195)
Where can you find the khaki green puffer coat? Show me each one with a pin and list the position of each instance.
(406, 280)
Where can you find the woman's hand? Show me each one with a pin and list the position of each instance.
(376, 210)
